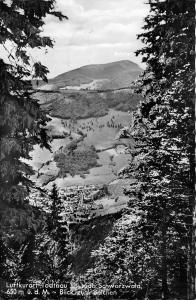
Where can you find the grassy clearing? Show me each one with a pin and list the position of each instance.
(95, 168)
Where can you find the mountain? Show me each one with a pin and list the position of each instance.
(113, 75)
(90, 91)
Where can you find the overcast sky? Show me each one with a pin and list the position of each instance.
(98, 31)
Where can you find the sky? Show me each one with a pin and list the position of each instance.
(98, 31)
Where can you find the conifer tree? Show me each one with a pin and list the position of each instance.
(162, 195)
(164, 134)
(44, 254)
(21, 120)
(58, 233)
(124, 265)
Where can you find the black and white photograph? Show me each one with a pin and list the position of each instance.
(97, 150)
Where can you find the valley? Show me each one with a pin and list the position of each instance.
(91, 114)
(96, 138)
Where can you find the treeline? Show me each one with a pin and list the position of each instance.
(88, 105)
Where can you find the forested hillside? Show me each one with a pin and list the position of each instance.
(87, 104)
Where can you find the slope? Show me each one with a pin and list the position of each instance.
(113, 75)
